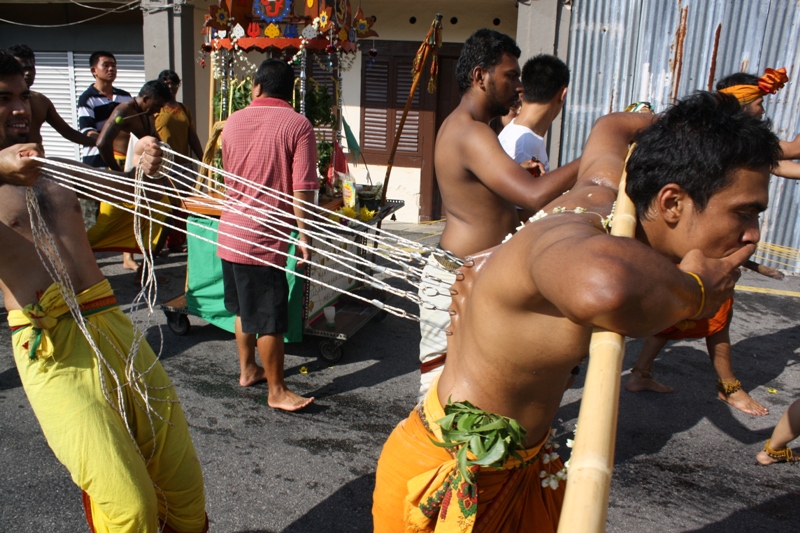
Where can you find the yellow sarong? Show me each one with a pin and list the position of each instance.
(113, 231)
(61, 377)
(419, 489)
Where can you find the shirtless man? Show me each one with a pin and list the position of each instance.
(42, 109)
(480, 184)
(524, 312)
(750, 92)
(59, 370)
(114, 227)
(134, 117)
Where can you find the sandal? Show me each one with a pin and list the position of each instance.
(781, 456)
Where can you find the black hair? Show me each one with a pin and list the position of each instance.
(156, 89)
(95, 57)
(9, 66)
(170, 75)
(543, 77)
(698, 144)
(485, 49)
(740, 78)
(22, 51)
(276, 78)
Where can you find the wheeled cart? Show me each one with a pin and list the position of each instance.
(203, 296)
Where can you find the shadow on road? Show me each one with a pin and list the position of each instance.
(347, 509)
(777, 514)
(647, 421)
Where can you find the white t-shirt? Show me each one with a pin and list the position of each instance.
(522, 144)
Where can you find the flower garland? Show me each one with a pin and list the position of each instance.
(549, 455)
(304, 38)
(605, 221)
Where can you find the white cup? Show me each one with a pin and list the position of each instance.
(330, 315)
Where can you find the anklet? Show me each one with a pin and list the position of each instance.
(729, 387)
(784, 455)
(643, 373)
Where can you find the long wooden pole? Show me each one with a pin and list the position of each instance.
(430, 41)
(592, 462)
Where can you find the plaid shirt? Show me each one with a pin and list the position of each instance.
(270, 144)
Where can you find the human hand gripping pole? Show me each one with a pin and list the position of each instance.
(592, 462)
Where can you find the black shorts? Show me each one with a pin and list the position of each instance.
(259, 295)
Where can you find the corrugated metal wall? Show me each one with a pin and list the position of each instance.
(623, 51)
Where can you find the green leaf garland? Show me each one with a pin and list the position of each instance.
(491, 438)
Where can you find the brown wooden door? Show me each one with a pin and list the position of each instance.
(447, 99)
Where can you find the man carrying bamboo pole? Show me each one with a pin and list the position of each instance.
(749, 91)
(524, 312)
(480, 184)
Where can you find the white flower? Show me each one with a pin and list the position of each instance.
(570, 443)
(554, 456)
(559, 209)
(580, 209)
(537, 216)
(543, 474)
(553, 482)
(508, 237)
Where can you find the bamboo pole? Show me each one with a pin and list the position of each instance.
(428, 43)
(592, 462)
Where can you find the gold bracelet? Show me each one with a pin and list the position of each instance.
(702, 295)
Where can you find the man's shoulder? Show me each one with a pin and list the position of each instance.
(121, 92)
(88, 93)
(39, 100)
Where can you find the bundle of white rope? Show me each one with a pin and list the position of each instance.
(403, 265)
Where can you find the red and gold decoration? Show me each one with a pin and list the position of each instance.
(286, 24)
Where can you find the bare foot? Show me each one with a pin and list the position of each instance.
(743, 402)
(128, 262)
(288, 401)
(637, 383)
(248, 380)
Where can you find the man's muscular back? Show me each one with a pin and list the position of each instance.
(22, 275)
(477, 217)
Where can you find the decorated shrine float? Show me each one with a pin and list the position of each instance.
(327, 33)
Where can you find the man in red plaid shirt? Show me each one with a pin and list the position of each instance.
(272, 147)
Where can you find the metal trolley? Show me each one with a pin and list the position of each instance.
(351, 314)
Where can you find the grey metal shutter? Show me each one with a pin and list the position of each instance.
(54, 79)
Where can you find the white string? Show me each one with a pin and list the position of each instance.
(409, 273)
(140, 391)
(356, 274)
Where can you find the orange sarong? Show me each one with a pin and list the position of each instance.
(419, 489)
(700, 329)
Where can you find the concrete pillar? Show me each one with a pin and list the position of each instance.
(168, 37)
(543, 28)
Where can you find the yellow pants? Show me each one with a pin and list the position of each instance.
(113, 231)
(132, 485)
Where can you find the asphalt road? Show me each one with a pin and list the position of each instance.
(684, 461)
